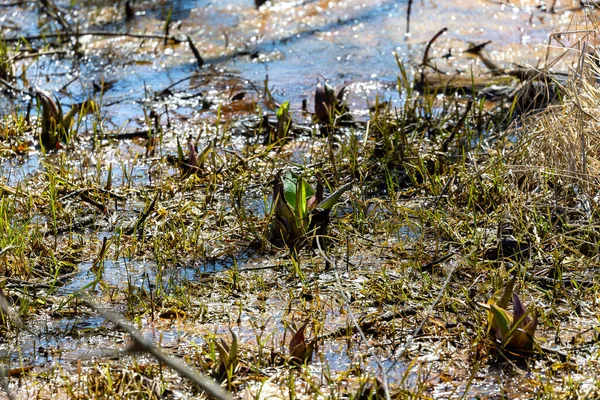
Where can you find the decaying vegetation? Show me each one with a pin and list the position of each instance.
(444, 247)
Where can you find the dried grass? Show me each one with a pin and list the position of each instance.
(563, 140)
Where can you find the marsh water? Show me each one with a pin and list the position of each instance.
(294, 44)
(287, 46)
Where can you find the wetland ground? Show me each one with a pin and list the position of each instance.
(165, 225)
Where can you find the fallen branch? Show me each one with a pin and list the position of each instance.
(16, 3)
(141, 345)
(76, 225)
(141, 134)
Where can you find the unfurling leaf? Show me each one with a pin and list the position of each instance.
(325, 102)
(292, 185)
(503, 321)
(228, 356)
(500, 299)
(193, 160)
(283, 229)
(300, 350)
(55, 126)
(51, 120)
(299, 210)
(329, 105)
(516, 330)
(180, 155)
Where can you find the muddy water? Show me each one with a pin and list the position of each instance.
(294, 44)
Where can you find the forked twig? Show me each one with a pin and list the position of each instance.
(426, 53)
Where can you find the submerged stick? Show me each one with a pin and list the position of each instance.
(141, 345)
(95, 33)
(197, 56)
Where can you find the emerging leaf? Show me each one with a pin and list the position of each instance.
(292, 184)
(284, 120)
(284, 228)
(180, 155)
(332, 199)
(298, 212)
(55, 126)
(503, 321)
(228, 356)
(52, 117)
(500, 299)
(193, 160)
(300, 351)
(325, 102)
(516, 330)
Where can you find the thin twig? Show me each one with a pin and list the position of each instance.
(410, 338)
(346, 301)
(408, 17)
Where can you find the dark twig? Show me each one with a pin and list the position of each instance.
(16, 3)
(458, 125)
(142, 134)
(408, 17)
(426, 53)
(13, 88)
(143, 217)
(196, 53)
(86, 199)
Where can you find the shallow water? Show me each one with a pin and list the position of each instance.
(350, 43)
(294, 43)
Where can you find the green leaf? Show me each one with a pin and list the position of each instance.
(283, 110)
(330, 201)
(503, 320)
(290, 189)
(301, 202)
(507, 293)
(233, 349)
(179, 151)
